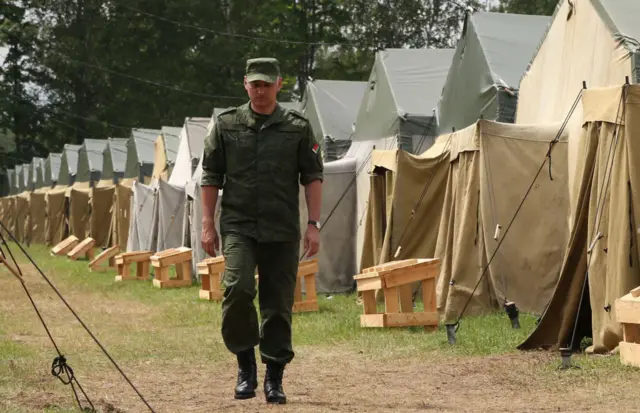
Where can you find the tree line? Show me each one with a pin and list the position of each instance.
(77, 69)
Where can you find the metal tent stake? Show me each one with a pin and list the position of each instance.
(512, 311)
(451, 333)
(565, 354)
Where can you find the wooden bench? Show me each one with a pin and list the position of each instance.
(105, 257)
(628, 313)
(64, 246)
(124, 261)
(210, 271)
(84, 248)
(395, 279)
(180, 258)
(306, 272)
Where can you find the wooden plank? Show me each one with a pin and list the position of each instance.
(66, 245)
(371, 284)
(403, 276)
(372, 320)
(81, 248)
(186, 271)
(369, 302)
(309, 268)
(628, 310)
(365, 276)
(630, 354)
(406, 298)
(391, 300)
(104, 256)
(305, 306)
(429, 295)
(411, 319)
(172, 259)
(631, 333)
(297, 294)
(396, 264)
(210, 295)
(171, 283)
(635, 292)
(310, 286)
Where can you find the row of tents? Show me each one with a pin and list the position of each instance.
(431, 157)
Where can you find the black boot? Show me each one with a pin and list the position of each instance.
(273, 384)
(247, 375)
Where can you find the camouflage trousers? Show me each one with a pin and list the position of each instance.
(277, 265)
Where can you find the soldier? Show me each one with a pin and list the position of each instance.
(259, 153)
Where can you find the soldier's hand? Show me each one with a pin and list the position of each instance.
(312, 241)
(210, 241)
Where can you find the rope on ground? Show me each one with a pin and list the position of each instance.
(59, 365)
(601, 198)
(548, 154)
(60, 362)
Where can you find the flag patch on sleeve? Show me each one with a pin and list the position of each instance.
(315, 148)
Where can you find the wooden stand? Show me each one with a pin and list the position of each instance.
(65, 246)
(210, 271)
(395, 279)
(181, 258)
(85, 248)
(124, 261)
(628, 313)
(107, 256)
(306, 271)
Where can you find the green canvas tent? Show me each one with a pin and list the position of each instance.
(36, 173)
(24, 176)
(18, 183)
(90, 161)
(492, 55)
(141, 154)
(332, 107)
(190, 148)
(114, 160)
(401, 96)
(52, 169)
(68, 164)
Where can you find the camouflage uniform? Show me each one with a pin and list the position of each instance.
(259, 161)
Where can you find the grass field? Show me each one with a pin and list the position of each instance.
(168, 343)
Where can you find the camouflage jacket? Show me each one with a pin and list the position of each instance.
(260, 170)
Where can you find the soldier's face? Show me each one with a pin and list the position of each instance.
(263, 93)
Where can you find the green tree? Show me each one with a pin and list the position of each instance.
(19, 115)
(539, 7)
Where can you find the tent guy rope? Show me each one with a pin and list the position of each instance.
(60, 366)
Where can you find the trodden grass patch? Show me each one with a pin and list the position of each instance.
(162, 328)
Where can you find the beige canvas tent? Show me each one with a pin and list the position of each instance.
(166, 150)
(52, 170)
(492, 165)
(607, 198)
(400, 183)
(595, 41)
(461, 189)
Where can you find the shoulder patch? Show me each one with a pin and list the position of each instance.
(227, 115)
(228, 110)
(297, 114)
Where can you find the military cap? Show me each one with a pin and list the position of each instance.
(266, 69)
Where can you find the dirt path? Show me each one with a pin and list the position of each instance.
(321, 378)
